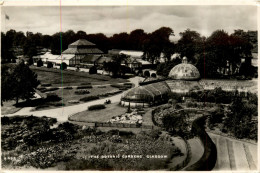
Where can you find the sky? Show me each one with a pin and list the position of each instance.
(115, 19)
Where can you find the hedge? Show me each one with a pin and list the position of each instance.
(45, 84)
(89, 98)
(81, 92)
(68, 88)
(96, 107)
(84, 87)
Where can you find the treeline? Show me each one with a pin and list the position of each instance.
(135, 40)
(220, 53)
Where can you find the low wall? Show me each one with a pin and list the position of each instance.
(208, 160)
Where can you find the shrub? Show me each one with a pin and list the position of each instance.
(53, 97)
(68, 88)
(81, 92)
(96, 107)
(84, 87)
(93, 70)
(49, 65)
(63, 66)
(39, 63)
(153, 75)
(102, 86)
(30, 61)
(45, 84)
(146, 74)
(58, 104)
(89, 98)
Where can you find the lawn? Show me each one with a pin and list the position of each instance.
(68, 95)
(103, 115)
(72, 78)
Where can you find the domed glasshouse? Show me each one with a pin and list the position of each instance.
(184, 71)
(146, 95)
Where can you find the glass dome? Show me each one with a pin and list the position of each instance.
(184, 71)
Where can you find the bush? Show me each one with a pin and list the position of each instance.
(89, 98)
(53, 97)
(49, 65)
(63, 66)
(93, 70)
(81, 92)
(68, 88)
(30, 62)
(84, 87)
(153, 75)
(39, 63)
(45, 84)
(96, 107)
(146, 74)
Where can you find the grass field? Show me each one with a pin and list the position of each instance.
(103, 115)
(72, 78)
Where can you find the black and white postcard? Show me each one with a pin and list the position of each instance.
(129, 86)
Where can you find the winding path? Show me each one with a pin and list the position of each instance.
(62, 113)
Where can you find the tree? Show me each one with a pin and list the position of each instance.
(176, 124)
(163, 69)
(39, 63)
(190, 44)
(155, 42)
(21, 82)
(49, 65)
(63, 66)
(146, 74)
(93, 70)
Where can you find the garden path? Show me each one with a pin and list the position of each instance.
(234, 154)
(62, 113)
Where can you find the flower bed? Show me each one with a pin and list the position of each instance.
(85, 87)
(128, 118)
(81, 92)
(96, 107)
(89, 98)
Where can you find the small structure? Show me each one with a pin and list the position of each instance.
(147, 95)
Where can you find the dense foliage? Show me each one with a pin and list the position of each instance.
(42, 143)
(17, 82)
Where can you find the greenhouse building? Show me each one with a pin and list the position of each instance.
(147, 95)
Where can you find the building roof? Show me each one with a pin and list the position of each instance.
(90, 58)
(82, 42)
(82, 46)
(65, 57)
(146, 93)
(184, 71)
(82, 51)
